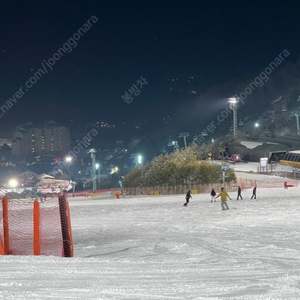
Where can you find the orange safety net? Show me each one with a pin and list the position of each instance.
(32, 227)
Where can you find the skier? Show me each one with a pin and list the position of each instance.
(254, 193)
(187, 198)
(213, 195)
(239, 193)
(285, 185)
(224, 197)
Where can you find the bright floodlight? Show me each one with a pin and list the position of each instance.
(233, 100)
(68, 159)
(116, 168)
(97, 166)
(234, 103)
(13, 183)
(140, 159)
(256, 125)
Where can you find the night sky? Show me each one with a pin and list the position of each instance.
(184, 49)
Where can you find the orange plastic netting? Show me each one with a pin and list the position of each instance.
(33, 227)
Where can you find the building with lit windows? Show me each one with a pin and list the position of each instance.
(50, 138)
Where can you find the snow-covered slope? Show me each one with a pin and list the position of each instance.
(154, 248)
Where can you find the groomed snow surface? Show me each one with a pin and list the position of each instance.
(142, 248)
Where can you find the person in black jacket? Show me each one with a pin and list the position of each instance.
(187, 198)
(239, 193)
(254, 193)
(213, 195)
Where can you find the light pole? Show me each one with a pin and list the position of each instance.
(68, 160)
(176, 146)
(297, 119)
(184, 135)
(234, 102)
(93, 155)
(224, 170)
(139, 160)
(256, 125)
(73, 183)
(98, 176)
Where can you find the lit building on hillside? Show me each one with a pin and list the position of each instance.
(45, 139)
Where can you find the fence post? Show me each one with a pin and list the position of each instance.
(36, 228)
(5, 225)
(64, 226)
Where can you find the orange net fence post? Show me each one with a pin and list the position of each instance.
(36, 228)
(70, 229)
(2, 252)
(64, 226)
(5, 225)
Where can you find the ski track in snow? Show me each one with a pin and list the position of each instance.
(154, 248)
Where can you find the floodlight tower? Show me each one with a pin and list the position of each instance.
(176, 146)
(93, 156)
(234, 102)
(184, 135)
(68, 160)
(97, 166)
(297, 119)
(256, 125)
(139, 160)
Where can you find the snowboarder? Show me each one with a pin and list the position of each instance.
(285, 185)
(239, 193)
(187, 198)
(213, 195)
(254, 193)
(224, 197)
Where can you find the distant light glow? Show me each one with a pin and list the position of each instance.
(68, 159)
(13, 183)
(140, 158)
(233, 100)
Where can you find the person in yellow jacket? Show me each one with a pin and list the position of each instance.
(224, 197)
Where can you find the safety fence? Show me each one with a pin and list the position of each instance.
(35, 227)
(98, 193)
(206, 188)
(82, 194)
(266, 183)
(179, 189)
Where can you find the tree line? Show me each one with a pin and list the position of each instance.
(188, 166)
